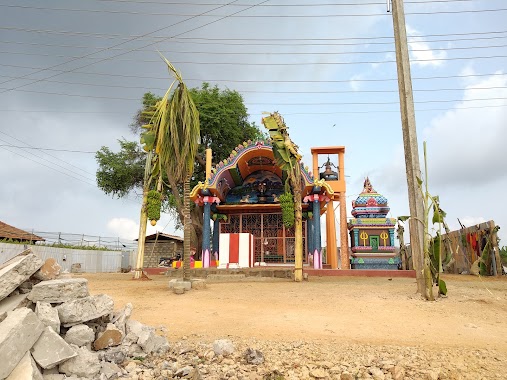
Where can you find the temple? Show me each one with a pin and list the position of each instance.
(242, 196)
(372, 232)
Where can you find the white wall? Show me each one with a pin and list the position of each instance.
(90, 260)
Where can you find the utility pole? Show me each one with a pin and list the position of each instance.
(413, 170)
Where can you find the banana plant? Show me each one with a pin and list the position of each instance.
(288, 159)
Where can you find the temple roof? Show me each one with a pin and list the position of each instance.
(249, 165)
(369, 203)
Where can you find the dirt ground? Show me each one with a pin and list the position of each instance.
(375, 311)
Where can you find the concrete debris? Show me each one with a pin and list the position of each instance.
(51, 350)
(112, 336)
(120, 318)
(85, 309)
(61, 290)
(16, 271)
(18, 333)
(86, 364)
(26, 369)
(198, 283)
(59, 338)
(80, 335)
(223, 347)
(254, 357)
(48, 315)
(12, 303)
(50, 270)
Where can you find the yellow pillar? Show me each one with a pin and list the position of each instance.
(208, 163)
(344, 237)
(331, 251)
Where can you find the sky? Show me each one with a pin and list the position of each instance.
(72, 75)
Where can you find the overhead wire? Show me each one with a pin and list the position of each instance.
(50, 155)
(119, 44)
(206, 14)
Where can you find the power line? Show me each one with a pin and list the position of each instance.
(299, 113)
(50, 149)
(105, 49)
(120, 54)
(262, 80)
(250, 103)
(42, 158)
(107, 11)
(151, 88)
(221, 53)
(394, 111)
(187, 40)
(17, 154)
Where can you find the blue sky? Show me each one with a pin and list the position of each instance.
(328, 69)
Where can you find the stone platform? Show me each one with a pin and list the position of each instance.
(279, 272)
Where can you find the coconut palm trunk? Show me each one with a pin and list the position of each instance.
(187, 232)
(298, 227)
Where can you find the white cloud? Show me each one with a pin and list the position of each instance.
(126, 228)
(421, 52)
(468, 144)
(354, 82)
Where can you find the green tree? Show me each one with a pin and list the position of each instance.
(224, 124)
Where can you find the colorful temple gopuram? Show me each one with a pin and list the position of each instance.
(241, 196)
(372, 232)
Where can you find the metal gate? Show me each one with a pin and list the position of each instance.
(273, 242)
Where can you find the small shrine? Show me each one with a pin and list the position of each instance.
(372, 232)
(242, 197)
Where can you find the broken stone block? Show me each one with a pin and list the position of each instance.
(115, 354)
(62, 290)
(223, 347)
(18, 333)
(55, 376)
(80, 335)
(26, 370)
(198, 283)
(16, 271)
(112, 336)
(85, 309)
(110, 370)
(49, 270)
(151, 342)
(51, 350)
(12, 303)
(178, 289)
(48, 315)
(86, 364)
(120, 318)
(25, 287)
(136, 328)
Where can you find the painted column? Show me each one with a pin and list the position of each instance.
(391, 236)
(317, 247)
(344, 238)
(332, 254)
(309, 236)
(216, 238)
(206, 249)
(356, 237)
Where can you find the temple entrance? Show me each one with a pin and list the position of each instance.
(374, 242)
(273, 242)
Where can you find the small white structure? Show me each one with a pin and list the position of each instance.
(236, 250)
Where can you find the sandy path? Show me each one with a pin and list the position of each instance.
(354, 310)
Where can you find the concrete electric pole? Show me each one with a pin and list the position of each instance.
(413, 170)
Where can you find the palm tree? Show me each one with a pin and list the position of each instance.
(173, 133)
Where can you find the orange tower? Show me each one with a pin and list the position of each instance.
(336, 179)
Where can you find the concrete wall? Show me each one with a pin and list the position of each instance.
(90, 260)
(162, 248)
